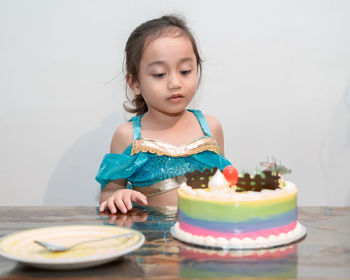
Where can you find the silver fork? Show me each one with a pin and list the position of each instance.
(59, 248)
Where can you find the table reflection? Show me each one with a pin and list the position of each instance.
(154, 223)
(125, 220)
(204, 263)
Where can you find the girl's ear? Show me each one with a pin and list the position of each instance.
(134, 85)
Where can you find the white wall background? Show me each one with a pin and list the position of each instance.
(276, 73)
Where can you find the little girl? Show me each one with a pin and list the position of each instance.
(151, 153)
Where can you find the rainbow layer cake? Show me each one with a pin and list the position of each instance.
(220, 209)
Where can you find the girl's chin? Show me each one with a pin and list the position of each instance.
(173, 112)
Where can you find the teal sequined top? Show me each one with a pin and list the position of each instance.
(153, 167)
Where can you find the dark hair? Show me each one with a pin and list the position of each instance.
(135, 45)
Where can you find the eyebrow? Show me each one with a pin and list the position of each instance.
(161, 62)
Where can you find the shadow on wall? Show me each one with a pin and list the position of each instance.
(335, 154)
(73, 180)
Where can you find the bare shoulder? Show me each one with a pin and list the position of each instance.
(214, 125)
(122, 138)
(216, 130)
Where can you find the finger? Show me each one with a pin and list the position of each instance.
(139, 197)
(111, 206)
(103, 206)
(120, 204)
(127, 200)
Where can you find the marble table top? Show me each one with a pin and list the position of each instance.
(323, 254)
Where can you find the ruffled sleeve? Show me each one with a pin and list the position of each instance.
(211, 160)
(118, 166)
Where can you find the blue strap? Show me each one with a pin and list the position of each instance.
(202, 121)
(136, 127)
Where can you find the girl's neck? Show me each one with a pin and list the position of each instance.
(163, 120)
(176, 129)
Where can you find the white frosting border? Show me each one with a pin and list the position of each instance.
(234, 243)
(238, 253)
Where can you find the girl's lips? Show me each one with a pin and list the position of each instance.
(176, 97)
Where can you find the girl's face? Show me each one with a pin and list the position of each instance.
(168, 74)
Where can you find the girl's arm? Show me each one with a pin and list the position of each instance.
(216, 130)
(114, 195)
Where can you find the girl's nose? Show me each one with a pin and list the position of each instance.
(174, 81)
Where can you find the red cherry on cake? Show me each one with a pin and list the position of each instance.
(231, 174)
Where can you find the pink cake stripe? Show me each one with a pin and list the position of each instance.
(263, 233)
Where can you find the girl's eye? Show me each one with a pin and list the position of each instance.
(158, 75)
(185, 72)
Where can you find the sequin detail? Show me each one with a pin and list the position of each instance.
(158, 168)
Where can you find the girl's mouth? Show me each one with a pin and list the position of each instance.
(175, 98)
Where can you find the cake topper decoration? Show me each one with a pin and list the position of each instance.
(199, 180)
(231, 174)
(270, 178)
(266, 180)
(274, 167)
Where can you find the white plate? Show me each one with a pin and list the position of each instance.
(19, 246)
(240, 244)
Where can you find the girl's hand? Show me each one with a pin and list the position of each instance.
(122, 200)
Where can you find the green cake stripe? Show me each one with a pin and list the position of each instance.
(209, 211)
